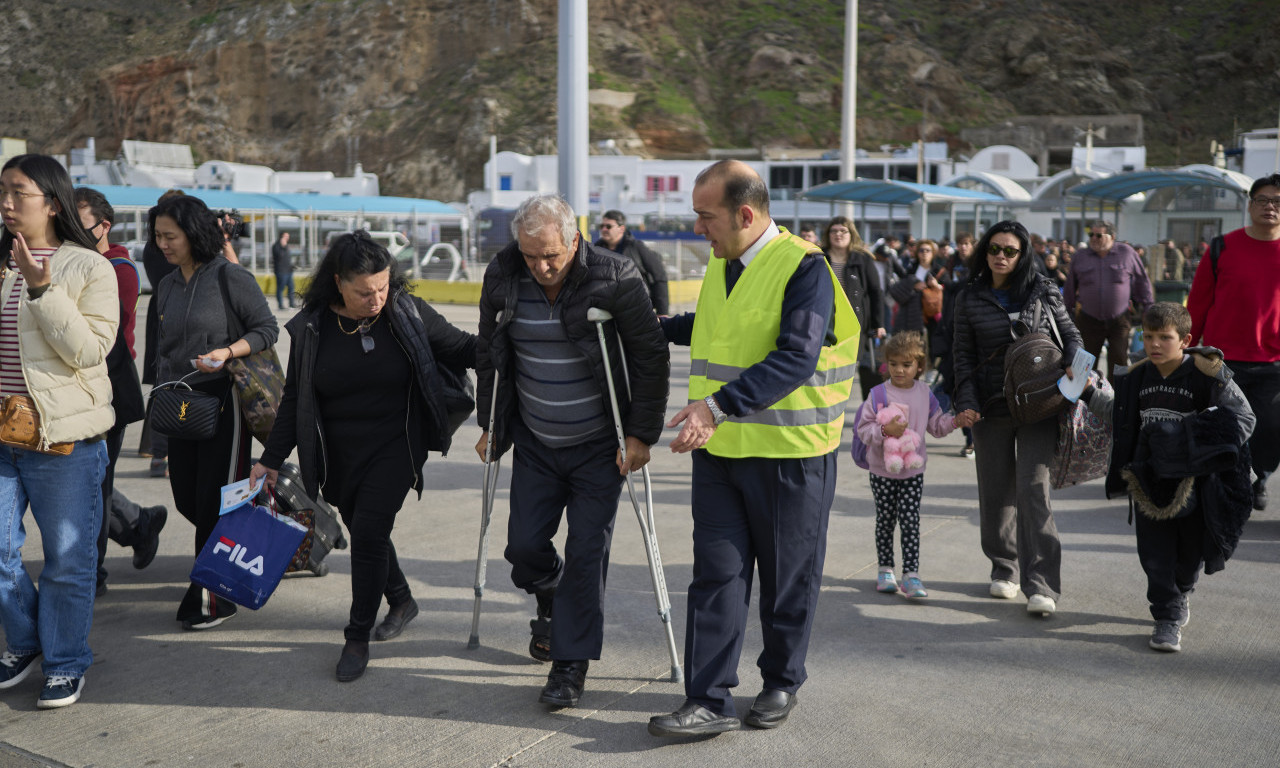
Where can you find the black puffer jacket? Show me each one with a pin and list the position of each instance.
(598, 278)
(861, 283)
(983, 332)
(650, 265)
(425, 336)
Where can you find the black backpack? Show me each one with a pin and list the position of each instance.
(1032, 367)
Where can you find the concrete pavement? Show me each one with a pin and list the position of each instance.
(957, 679)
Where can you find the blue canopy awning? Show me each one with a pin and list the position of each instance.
(892, 192)
(1122, 186)
(295, 203)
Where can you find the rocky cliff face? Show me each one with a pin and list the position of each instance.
(413, 88)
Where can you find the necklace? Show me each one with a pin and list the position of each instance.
(362, 326)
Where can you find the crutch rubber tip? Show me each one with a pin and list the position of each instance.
(677, 675)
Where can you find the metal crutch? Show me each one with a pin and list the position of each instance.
(492, 464)
(645, 518)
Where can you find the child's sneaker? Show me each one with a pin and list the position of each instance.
(913, 587)
(14, 668)
(60, 691)
(885, 582)
(1167, 636)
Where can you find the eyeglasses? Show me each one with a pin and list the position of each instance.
(603, 227)
(1093, 235)
(17, 195)
(1008, 250)
(366, 341)
(1267, 202)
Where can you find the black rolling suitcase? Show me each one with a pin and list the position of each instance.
(322, 522)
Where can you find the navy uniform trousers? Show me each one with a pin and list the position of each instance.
(747, 513)
(581, 483)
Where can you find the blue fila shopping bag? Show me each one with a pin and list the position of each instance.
(247, 553)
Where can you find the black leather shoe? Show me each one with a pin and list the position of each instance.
(692, 720)
(397, 617)
(770, 709)
(1260, 494)
(355, 657)
(564, 683)
(145, 551)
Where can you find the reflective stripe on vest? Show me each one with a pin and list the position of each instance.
(731, 335)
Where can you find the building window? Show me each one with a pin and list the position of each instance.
(1000, 161)
(654, 186)
(821, 174)
(786, 177)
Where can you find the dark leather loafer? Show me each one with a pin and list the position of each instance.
(770, 709)
(692, 720)
(397, 617)
(354, 659)
(565, 683)
(145, 551)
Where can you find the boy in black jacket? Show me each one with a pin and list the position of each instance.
(1180, 430)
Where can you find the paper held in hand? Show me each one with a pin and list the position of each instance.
(1081, 364)
(238, 493)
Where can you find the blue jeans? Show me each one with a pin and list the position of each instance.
(65, 495)
(284, 283)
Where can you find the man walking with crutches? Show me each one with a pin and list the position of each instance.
(552, 402)
(773, 355)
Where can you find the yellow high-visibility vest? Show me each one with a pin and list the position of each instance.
(732, 334)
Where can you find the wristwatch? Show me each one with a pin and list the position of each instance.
(717, 415)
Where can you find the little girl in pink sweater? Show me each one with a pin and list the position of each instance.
(897, 494)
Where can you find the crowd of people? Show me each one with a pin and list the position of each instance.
(572, 360)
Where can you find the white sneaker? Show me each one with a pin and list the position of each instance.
(1041, 604)
(1005, 590)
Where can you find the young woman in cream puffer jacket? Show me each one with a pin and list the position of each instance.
(63, 309)
(64, 337)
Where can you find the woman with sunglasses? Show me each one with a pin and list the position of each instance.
(1016, 522)
(363, 403)
(855, 268)
(58, 316)
(201, 303)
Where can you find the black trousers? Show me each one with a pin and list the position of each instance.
(751, 513)
(1172, 553)
(582, 484)
(115, 439)
(368, 504)
(197, 470)
(1260, 383)
(1115, 332)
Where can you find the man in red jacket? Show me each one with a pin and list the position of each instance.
(1235, 306)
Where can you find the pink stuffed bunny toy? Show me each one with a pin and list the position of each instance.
(899, 452)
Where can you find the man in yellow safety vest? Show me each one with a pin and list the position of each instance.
(774, 353)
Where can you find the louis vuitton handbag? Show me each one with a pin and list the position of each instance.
(258, 378)
(177, 410)
(20, 427)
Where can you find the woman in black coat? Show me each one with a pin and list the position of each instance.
(856, 269)
(363, 403)
(1016, 521)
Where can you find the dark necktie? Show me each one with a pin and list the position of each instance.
(732, 271)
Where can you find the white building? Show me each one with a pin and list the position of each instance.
(240, 177)
(656, 192)
(139, 164)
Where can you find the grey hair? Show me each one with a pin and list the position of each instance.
(1096, 223)
(541, 211)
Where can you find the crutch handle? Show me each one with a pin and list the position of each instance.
(598, 315)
